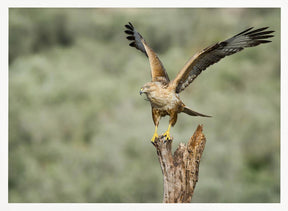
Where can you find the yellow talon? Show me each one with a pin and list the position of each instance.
(167, 133)
(155, 135)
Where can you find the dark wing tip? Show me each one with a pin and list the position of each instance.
(130, 37)
(130, 26)
(132, 44)
(265, 41)
(261, 35)
(256, 36)
(259, 31)
(130, 32)
(135, 37)
(243, 32)
(255, 33)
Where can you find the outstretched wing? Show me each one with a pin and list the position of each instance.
(158, 72)
(208, 56)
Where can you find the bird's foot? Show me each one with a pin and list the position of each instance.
(154, 137)
(167, 135)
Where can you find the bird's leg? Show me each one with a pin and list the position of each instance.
(167, 133)
(155, 135)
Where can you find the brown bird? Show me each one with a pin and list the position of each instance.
(163, 94)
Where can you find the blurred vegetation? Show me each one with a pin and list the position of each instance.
(79, 131)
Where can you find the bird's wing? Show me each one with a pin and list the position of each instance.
(158, 72)
(212, 54)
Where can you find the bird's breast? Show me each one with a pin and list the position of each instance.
(163, 99)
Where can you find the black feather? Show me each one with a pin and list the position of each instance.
(129, 27)
(132, 44)
(129, 32)
(263, 37)
(265, 41)
(243, 32)
(261, 33)
(257, 30)
(130, 38)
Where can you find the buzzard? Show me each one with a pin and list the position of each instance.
(163, 94)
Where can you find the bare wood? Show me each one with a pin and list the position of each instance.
(180, 171)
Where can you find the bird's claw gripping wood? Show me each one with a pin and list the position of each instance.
(155, 136)
(167, 133)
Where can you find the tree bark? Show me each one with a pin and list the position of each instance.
(180, 171)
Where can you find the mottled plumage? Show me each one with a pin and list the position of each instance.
(163, 94)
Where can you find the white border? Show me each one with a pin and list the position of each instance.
(283, 4)
(146, 3)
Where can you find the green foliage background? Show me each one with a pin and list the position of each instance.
(80, 132)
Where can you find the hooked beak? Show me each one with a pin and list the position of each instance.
(141, 91)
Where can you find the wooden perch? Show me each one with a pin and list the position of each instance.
(180, 171)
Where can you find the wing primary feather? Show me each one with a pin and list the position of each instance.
(130, 38)
(128, 32)
(132, 44)
(257, 30)
(261, 33)
(260, 37)
(243, 32)
(129, 26)
(265, 41)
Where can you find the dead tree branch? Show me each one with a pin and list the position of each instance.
(180, 171)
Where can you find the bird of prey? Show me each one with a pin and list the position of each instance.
(163, 94)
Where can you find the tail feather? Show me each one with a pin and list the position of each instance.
(193, 113)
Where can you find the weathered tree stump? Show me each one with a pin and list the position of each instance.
(180, 171)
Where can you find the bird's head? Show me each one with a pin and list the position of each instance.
(141, 91)
(146, 89)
